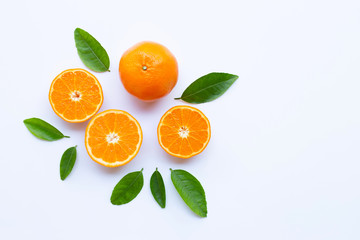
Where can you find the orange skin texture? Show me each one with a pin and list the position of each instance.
(159, 77)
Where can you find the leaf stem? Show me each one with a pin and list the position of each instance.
(66, 137)
(178, 98)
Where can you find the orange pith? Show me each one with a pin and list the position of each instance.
(184, 131)
(113, 138)
(75, 95)
(148, 71)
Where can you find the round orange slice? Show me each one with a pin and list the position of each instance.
(184, 131)
(75, 95)
(113, 138)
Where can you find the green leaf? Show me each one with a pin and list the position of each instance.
(90, 51)
(67, 162)
(158, 188)
(208, 87)
(127, 188)
(190, 191)
(43, 130)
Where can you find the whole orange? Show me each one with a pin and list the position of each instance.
(148, 70)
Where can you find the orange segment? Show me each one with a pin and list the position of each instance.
(75, 95)
(184, 131)
(113, 138)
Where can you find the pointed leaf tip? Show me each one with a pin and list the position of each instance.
(127, 188)
(157, 188)
(90, 51)
(208, 87)
(43, 130)
(190, 190)
(67, 162)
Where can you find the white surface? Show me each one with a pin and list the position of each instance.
(283, 161)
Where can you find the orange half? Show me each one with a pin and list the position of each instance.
(184, 131)
(113, 138)
(75, 95)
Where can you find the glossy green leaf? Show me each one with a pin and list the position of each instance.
(190, 191)
(127, 188)
(67, 162)
(208, 87)
(157, 188)
(43, 130)
(90, 51)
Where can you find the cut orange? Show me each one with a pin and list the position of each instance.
(184, 131)
(75, 95)
(113, 138)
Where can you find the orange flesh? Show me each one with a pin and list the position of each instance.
(113, 138)
(184, 131)
(75, 95)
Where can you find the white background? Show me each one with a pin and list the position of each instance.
(283, 161)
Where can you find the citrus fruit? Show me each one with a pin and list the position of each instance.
(75, 95)
(113, 138)
(184, 131)
(148, 71)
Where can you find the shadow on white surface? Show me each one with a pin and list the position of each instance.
(168, 157)
(78, 127)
